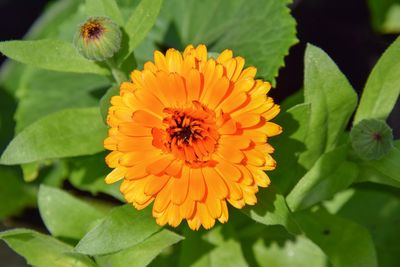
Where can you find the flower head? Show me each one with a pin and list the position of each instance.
(189, 133)
(98, 38)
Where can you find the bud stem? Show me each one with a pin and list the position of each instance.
(118, 75)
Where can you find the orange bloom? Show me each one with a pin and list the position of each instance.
(190, 133)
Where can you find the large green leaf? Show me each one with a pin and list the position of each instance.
(261, 31)
(42, 92)
(50, 54)
(138, 25)
(67, 133)
(329, 175)
(274, 248)
(382, 89)
(43, 251)
(124, 227)
(141, 254)
(347, 244)
(381, 218)
(64, 215)
(14, 193)
(217, 247)
(332, 99)
(271, 209)
(289, 145)
(108, 8)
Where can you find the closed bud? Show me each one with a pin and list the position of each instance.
(371, 139)
(99, 38)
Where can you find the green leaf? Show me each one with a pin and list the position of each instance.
(217, 247)
(289, 145)
(329, 175)
(108, 8)
(42, 92)
(42, 250)
(332, 99)
(50, 54)
(384, 15)
(271, 210)
(138, 25)
(347, 244)
(293, 251)
(30, 171)
(14, 193)
(67, 133)
(261, 31)
(141, 254)
(124, 227)
(105, 101)
(381, 218)
(389, 165)
(382, 89)
(65, 215)
(88, 174)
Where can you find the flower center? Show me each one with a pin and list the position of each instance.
(190, 134)
(92, 30)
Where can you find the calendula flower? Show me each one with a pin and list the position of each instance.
(190, 133)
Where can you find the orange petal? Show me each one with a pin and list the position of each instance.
(230, 153)
(229, 127)
(216, 187)
(225, 214)
(206, 220)
(115, 175)
(132, 129)
(225, 56)
(155, 184)
(227, 170)
(146, 119)
(248, 119)
(193, 85)
(163, 198)
(187, 208)
(159, 165)
(180, 188)
(197, 187)
(233, 102)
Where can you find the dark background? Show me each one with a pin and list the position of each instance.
(340, 27)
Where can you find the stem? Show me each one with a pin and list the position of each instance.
(118, 75)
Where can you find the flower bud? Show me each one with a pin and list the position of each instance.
(98, 38)
(371, 139)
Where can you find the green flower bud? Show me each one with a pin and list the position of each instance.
(98, 38)
(371, 139)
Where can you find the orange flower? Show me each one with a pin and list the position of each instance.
(190, 133)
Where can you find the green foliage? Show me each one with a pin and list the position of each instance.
(385, 15)
(329, 175)
(40, 250)
(50, 54)
(64, 215)
(332, 100)
(14, 193)
(124, 227)
(58, 135)
(382, 89)
(108, 8)
(141, 254)
(345, 243)
(263, 38)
